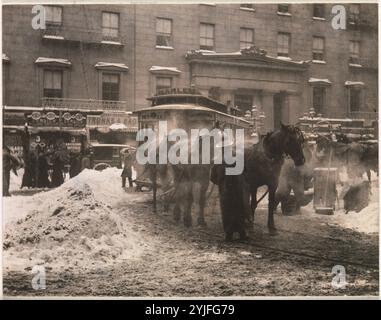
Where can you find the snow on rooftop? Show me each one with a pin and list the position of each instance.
(160, 68)
(111, 64)
(52, 60)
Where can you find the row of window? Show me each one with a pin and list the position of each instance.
(110, 21)
(53, 88)
(53, 84)
(318, 47)
(207, 40)
(318, 10)
(111, 26)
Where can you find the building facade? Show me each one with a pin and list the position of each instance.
(283, 58)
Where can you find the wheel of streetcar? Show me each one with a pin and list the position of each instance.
(101, 166)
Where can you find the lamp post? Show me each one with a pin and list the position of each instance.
(256, 118)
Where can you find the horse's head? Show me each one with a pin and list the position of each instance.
(293, 140)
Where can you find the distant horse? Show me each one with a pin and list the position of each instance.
(291, 178)
(263, 163)
(357, 157)
(157, 176)
(191, 182)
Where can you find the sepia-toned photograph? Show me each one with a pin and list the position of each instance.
(187, 150)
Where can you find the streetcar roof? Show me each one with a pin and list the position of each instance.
(97, 144)
(185, 107)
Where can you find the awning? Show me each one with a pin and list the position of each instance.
(164, 70)
(319, 81)
(53, 61)
(73, 131)
(354, 83)
(111, 65)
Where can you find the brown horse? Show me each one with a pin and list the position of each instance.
(263, 163)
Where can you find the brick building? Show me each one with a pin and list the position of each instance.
(282, 58)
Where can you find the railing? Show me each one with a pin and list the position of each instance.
(363, 115)
(72, 34)
(84, 104)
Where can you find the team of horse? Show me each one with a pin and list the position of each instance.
(282, 153)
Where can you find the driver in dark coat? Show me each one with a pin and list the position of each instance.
(127, 169)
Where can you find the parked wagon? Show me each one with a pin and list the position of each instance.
(107, 155)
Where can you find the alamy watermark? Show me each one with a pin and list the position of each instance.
(39, 280)
(176, 147)
(339, 280)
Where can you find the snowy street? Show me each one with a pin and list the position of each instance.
(94, 238)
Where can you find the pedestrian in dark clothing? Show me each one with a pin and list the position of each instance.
(42, 170)
(28, 179)
(85, 161)
(127, 169)
(75, 165)
(9, 163)
(29, 176)
(59, 159)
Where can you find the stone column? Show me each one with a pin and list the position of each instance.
(293, 102)
(268, 108)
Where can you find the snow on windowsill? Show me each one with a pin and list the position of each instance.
(319, 61)
(286, 14)
(46, 36)
(316, 80)
(52, 60)
(165, 47)
(113, 43)
(247, 9)
(354, 83)
(283, 58)
(318, 18)
(355, 65)
(165, 69)
(111, 64)
(5, 57)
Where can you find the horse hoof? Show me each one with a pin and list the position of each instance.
(243, 237)
(201, 222)
(229, 237)
(187, 222)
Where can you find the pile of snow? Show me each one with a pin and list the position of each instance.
(72, 226)
(366, 221)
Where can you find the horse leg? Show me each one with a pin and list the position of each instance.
(272, 205)
(186, 203)
(154, 187)
(199, 197)
(253, 202)
(246, 203)
(369, 175)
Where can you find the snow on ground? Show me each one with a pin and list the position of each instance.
(366, 221)
(73, 225)
(76, 225)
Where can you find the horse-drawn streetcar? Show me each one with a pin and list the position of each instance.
(187, 109)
